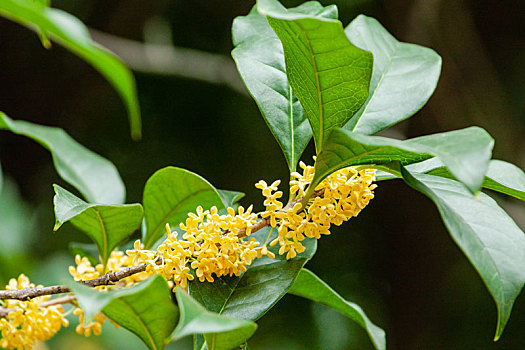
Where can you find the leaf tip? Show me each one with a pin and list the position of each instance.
(136, 135)
(57, 226)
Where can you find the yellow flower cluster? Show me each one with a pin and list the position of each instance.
(29, 322)
(116, 262)
(342, 195)
(214, 245)
(210, 245)
(94, 326)
(86, 271)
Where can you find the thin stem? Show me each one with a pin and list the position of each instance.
(67, 299)
(29, 293)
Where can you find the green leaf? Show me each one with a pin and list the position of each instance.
(465, 152)
(107, 225)
(328, 74)
(229, 198)
(259, 57)
(308, 285)
(505, 178)
(95, 177)
(169, 195)
(147, 311)
(492, 242)
(404, 77)
(501, 176)
(253, 293)
(220, 332)
(71, 33)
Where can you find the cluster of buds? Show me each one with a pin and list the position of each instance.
(84, 270)
(339, 197)
(30, 321)
(211, 245)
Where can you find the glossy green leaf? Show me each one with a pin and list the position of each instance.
(229, 198)
(253, 293)
(95, 177)
(501, 176)
(107, 225)
(328, 74)
(465, 152)
(169, 195)
(492, 242)
(71, 33)
(404, 77)
(146, 310)
(308, 285)
(259, 57)
(221, 332)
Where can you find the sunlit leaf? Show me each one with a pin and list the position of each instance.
(328, 74)
(95, 177)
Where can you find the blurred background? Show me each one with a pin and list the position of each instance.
(395, 260)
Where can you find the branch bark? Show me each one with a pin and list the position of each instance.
(29, 293)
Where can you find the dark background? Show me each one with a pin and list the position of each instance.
(396, 260)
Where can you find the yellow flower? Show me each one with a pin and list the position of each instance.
(29, 322)
(95, 326)
(344, 194)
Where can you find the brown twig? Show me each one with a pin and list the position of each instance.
(58, 301)
(29, 293)
(264, 222)
(115, 276)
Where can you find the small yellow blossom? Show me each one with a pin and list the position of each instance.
(95, 326)
(344, 194)
(29, 322)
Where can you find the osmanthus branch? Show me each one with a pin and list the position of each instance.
(58, 301)
(264, 222)
(29, 293)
